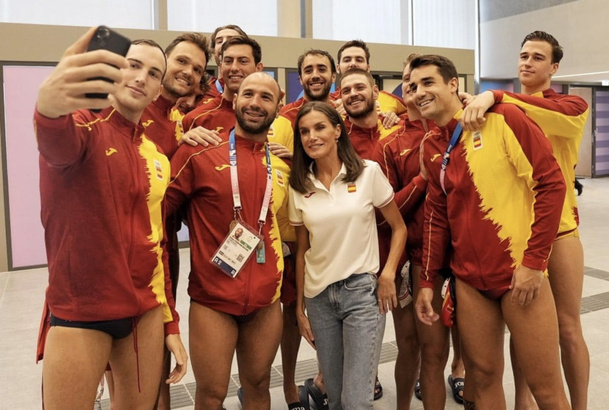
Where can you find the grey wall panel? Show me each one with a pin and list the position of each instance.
(496, 9)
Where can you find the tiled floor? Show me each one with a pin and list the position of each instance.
(21, 297)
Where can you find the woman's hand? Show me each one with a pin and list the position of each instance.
(305, 327)
(386, 293)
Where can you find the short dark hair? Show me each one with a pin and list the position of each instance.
(197, 39)
(227, 27)
(318, 53)
(446, 68)
(299, 175)
(355, 43)
(538, 35)
(152, 43)
(248, 41)
(353, 71)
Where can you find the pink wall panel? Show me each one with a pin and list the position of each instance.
(26, 234)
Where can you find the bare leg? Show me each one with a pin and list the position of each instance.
(434, 344)
(408, 360)
(523, 399)
(469, 392)
(74, 363)
(566, 270)
(482, 332)
(213, 337)
(172, 224)
(137, 375)
(457, 368)
(290, 344)
(256, 348)
(164, 402)
(534, 330)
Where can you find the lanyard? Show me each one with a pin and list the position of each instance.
(232, 152)
(446, 157)
(219, 86)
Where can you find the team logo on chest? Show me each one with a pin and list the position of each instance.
(477, 140)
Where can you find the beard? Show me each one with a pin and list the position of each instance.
(174, 91)
(254, 128)
(321, 95)
(367, 109)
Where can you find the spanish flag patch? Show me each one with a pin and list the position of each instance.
(351, 188)
(477, 140)
(279, 178)
(159, 170)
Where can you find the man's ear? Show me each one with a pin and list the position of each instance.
(554, 69)
(259, 66)
(454, 84)
(159, 93)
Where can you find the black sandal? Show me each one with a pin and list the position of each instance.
(319, 398)
(378, 389)
(457, 385)
(417, 390)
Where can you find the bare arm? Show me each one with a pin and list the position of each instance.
(302, 245)
(387, 297)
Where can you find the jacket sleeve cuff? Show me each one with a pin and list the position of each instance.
(419, 182)
(498, 94)
(172, 328)
(535, 263)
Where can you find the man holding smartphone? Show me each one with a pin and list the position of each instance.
(109, 297)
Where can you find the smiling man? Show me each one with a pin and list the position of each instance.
(241, 56)
(316, 73)
(359, 94)
(492, 199)
(356, 54)
(235, 310)
(562, 118)
(220, 35)
(187, 57)
(103, 179)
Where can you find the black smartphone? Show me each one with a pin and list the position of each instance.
(107, 39)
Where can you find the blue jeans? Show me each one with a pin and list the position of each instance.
(348, 330)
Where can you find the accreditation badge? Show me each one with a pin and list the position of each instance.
(236, 249)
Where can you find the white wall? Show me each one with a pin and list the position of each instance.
(579, 26)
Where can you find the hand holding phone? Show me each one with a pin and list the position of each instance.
(107, 39)
(63, 91)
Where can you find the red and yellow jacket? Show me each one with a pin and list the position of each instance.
(365, 140)
(201, 177)
(562, 118)
(102, 183)
(214, 114)
(398, 155)
(499, 211)
(161, 126)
